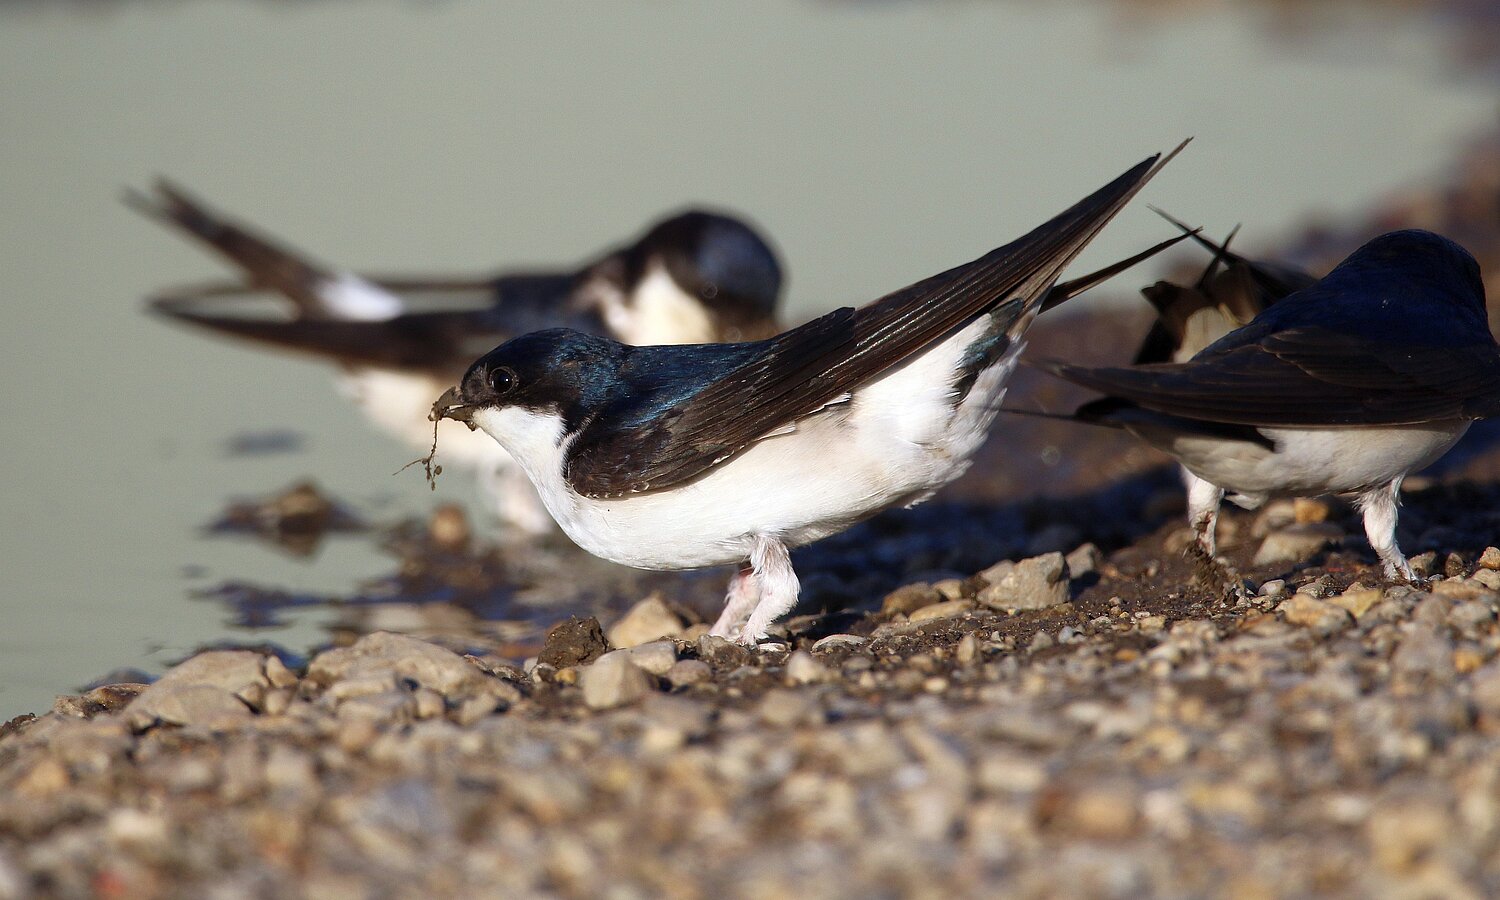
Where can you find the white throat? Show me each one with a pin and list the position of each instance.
(533, 439)
(536, 441)
(658, 311)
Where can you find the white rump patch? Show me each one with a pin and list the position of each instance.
(350, 297)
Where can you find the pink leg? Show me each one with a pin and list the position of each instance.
(1379, 508)
(778, 586)
(1203, 512)
(744, 593)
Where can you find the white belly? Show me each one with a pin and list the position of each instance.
(1310, 461)
(894, 442)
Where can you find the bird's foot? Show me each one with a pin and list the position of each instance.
(739, 602)
(1401, 573)
(749, 637)
(778, 588)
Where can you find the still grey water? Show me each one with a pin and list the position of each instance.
(877, 142)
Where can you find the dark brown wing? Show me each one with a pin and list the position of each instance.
(806, 368)
(1312, 377)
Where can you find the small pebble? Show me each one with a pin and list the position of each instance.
(838, 640)
(953, 588)
(613, 680)
(1316, 615)
(475, 708)
(1085, 560)
(278, 674)
(783, 707)
(967, 649)
(1297, 543)
(647, 621)
(689, 671)
(657, 657)
(909, 598)
(1358, 601)
(1488, 577)
(1034, 583)
(945, 610)
(803, 668)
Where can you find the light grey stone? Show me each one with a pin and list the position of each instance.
(1034, 583)
(656, 657)
(613, 680)
(649, 620)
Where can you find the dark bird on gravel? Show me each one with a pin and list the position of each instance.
(399, 341)
(1343, 387)
(707, 455)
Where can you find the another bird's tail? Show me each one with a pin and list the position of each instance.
(316, 292)
(1095, 412)
(1067, 290)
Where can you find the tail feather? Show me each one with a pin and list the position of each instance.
(1061, 417)
(317, 291)
(265, 262)
(1067, 290)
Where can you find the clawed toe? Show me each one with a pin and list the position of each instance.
(748, 638)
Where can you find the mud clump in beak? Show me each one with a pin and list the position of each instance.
(448, 406)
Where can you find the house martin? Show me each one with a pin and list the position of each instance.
(1231, 290)
(705, 455)
(1342, 387)
(694, 277)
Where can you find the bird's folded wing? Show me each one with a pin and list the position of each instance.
(803, 370)
(1312, 377)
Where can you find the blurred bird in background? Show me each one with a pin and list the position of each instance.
(694, 277)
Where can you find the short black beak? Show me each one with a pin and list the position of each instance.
(452, 406)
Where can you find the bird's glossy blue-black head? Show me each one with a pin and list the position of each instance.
(1408, 286)
(558, 370)
(718, 259)
(1420, 261)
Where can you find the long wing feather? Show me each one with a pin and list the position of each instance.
(803, 369)
(1312, 377)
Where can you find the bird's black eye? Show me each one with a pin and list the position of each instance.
(502, 380)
